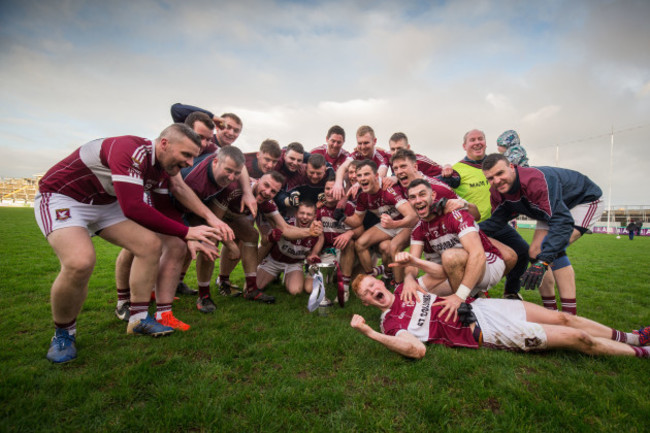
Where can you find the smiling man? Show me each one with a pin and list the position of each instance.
(493, 323)
(475, 189)
(456, 252)
(565, 203)
(98, 190)
(396, 216)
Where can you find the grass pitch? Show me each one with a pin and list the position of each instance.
(257, 367)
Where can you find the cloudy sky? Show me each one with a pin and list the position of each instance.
(562, 73)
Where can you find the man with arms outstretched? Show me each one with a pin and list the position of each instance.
(99, 189)
(494, 323)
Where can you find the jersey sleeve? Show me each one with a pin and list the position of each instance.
(130, 197)
(417, 235)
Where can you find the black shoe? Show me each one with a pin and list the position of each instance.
(515, 296)
(205, 305)
(260, 296)
(184, 289)
(227, 289)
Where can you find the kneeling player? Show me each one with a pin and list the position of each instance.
(493, 323)
(288, 255)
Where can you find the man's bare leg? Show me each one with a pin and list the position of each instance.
(76, 254)
(362, 245)
(294, 282)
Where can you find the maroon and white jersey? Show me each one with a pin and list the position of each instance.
(201, 180)
(441, 189)
(385, 201)
(293, 251)
(87, 175)
(330, 229)
(427, 166)
(343, 156)
(230, 199)
(422, 319)
(445, 231)
(121, 169)
(378, 157)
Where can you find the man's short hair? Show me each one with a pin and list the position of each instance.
(403, 154)
(418, 182)
(365, 129)
(277, 176)
(234, 117)
(492, 159)
(331, 178)
(399, 136)
(271, 147)
(307, 203)
(178, 131)
(471, 130)
(336, 129)
(316, 160)
(233, 153)
(296, 147)
(355, 163)
(370, 163)
(199, 116)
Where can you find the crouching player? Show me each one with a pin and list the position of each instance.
(493, 323)
(98, 190)
(288, 255)
(228, 205)
(456, 252)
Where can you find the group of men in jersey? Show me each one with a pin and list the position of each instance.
(193, 194)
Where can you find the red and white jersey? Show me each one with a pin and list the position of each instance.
(427, 166)
(422, 319)
(445, 231)
(293, 251)
(385, 201)
(230, 199)
(87, 175)
(343, 156)
(120, 169)
(441, 189)
(330, 229)
(378, 157)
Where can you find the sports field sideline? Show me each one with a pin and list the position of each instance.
(257, 367)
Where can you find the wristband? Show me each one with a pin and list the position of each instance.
(463, 292)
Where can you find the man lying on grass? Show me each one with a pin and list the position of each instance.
(493, 323)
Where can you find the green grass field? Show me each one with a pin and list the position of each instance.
(258, 367)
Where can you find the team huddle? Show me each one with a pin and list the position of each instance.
(442, 233)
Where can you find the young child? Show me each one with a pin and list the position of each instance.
(508, 145)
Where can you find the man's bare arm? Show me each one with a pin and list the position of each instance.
(404, 343)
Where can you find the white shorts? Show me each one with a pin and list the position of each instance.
(584, 215)
(57, 211)
(273, 267)
(390, 232)
(494, 269)
(504, 326)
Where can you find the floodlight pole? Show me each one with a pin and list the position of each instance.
(609, 193)
(557, 155)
